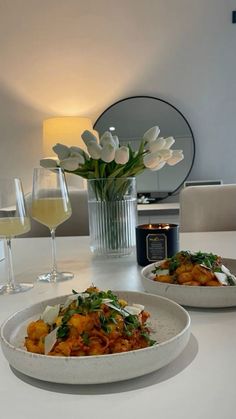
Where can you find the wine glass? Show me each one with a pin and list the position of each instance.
(51, 207)
(14, 221)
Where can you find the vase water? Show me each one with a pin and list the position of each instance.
(112, 207)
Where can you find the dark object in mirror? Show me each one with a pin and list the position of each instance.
(129, 118)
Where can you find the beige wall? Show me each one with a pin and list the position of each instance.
(76, 57)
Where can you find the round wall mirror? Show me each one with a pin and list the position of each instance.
(129, 118)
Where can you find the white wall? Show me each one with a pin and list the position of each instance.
(76, 57)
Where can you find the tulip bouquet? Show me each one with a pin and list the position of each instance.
(106, 159)
(110, 169)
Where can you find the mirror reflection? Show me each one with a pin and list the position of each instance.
(129, 118)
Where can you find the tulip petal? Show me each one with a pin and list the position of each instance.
(107, 138)
(122, 155)
(165, 153)
(157, 144)
(61, 150)
(77, 151)
(108, 153)
(151, 160)
(151, 134)
(169, 142)
(72, 163)
(87, 136)
(158, 166)
(176, 157)
(94, 150)
(116, 140)
(49, 162)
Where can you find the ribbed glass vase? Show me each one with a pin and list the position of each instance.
(112, 207)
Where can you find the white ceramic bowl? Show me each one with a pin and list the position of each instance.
(192, 296)
(172, 329)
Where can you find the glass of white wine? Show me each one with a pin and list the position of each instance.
(14, 221)
(51, 207)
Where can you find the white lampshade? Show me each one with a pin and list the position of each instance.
(66, 130)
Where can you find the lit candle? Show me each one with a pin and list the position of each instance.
(156, 242)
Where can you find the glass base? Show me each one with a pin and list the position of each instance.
(53, 277)
(7, 289)
(110, 253)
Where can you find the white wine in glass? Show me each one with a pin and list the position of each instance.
(51, 207)
(14, 221)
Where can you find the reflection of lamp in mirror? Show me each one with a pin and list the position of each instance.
(66, 130)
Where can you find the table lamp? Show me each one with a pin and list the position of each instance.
(66, 130)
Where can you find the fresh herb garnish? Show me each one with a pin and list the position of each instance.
(104, 323)
(131, 322)
(63, 331)
(209, 260)
(146, 336)
(85, 337)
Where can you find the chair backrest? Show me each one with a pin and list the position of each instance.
(208, 208)
(76, 225)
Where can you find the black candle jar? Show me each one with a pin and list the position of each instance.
(156, 242)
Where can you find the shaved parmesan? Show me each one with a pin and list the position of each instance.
(228, 273)
(74, 297)
(50, 341)
(120, 310)
(50, 314)
(222, 278)
(135, 311)
(140, 306)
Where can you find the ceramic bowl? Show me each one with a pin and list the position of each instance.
(170, 322)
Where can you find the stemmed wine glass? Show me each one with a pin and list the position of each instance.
(14, 221)
(51, 207)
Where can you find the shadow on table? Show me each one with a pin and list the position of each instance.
(165, 373)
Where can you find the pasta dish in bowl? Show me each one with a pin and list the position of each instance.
(87, 339)
(193, 279)
(93, 322)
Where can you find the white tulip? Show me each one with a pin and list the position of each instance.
(159, 166)
(107, 138)
(176, 157)
(75, 151)
(165, 153)
(72, 163)
(157, 144)
(61, 150)
(49, 162)
(151, 134)
(94, 150)
(151, 160)
(122, 155)
(169, 142)
(116, 140)
(87, 136)
(108, 153)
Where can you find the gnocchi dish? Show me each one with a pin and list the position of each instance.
(93, 322)
(194, 269)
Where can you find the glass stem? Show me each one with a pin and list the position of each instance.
(11, 279)
(54, 258)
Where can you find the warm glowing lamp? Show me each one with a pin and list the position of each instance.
(66, 130)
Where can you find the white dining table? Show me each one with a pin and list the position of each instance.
(200, 383)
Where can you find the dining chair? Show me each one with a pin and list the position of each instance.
(208, 208)
(76, 225)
